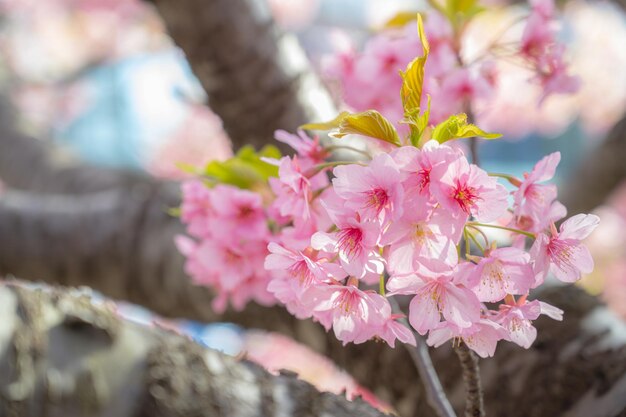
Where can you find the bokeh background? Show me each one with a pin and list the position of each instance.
(102, 79)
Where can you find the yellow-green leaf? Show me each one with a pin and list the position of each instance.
(413, 76)
(422, 33)
(456, 127)
(400, 19)
(245, 169)
(332, 124)
(368, 123)
(418, 122)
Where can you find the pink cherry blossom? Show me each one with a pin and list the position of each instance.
(352, 311)
(423, 236)
(303, 268)
(196, 208)
(293, 189)
(466, 190)
(436, 294)
(540, 221)
(503, 271)
(419, 163)
(517, 319)
(374, 191)
(552, 73)
(392, 329)
(237, 211)
(532, 198)
(562, 253)
(309, 150)
(356, 243)
(482, 337)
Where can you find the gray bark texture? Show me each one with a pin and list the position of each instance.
(61, 354)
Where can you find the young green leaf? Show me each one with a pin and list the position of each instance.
(368, 123)
(456, 127)
(332, 124)
(413, 76)
(246, 169)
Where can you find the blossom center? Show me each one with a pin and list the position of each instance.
(377, 199)
(346, 302)
(466, 197)
(301, 271)
(423, 178)
(560, 252)
(350, 240)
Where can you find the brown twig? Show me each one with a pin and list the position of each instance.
(471, 377)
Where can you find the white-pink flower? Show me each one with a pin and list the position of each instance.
(353, 312)
(309, 150)
(532, 198)
(466, 190)
(422, 236)
(562, 253)
(418, 164)
(356, 243)
(294, 189)
(503, 271)
(237, 213)
(374, 191)
(517, 319)
(482, 337)
(436, 294)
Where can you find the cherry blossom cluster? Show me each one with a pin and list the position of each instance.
(336, 241)
(369, 78)
(230, 234)
(410, 222)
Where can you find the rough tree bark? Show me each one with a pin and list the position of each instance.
(61, 354)
(258, 79)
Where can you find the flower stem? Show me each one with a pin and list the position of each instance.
(510, 178)
(476, 242)
(381, 285)
(485, 238)
(510, 229)
(435, 394)
(319, 167)
(474, 406)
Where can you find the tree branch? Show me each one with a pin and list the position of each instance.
(258, 80)
(64, 355)
(474, 406)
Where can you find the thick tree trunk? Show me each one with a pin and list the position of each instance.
(61, 354)
(258, 80)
